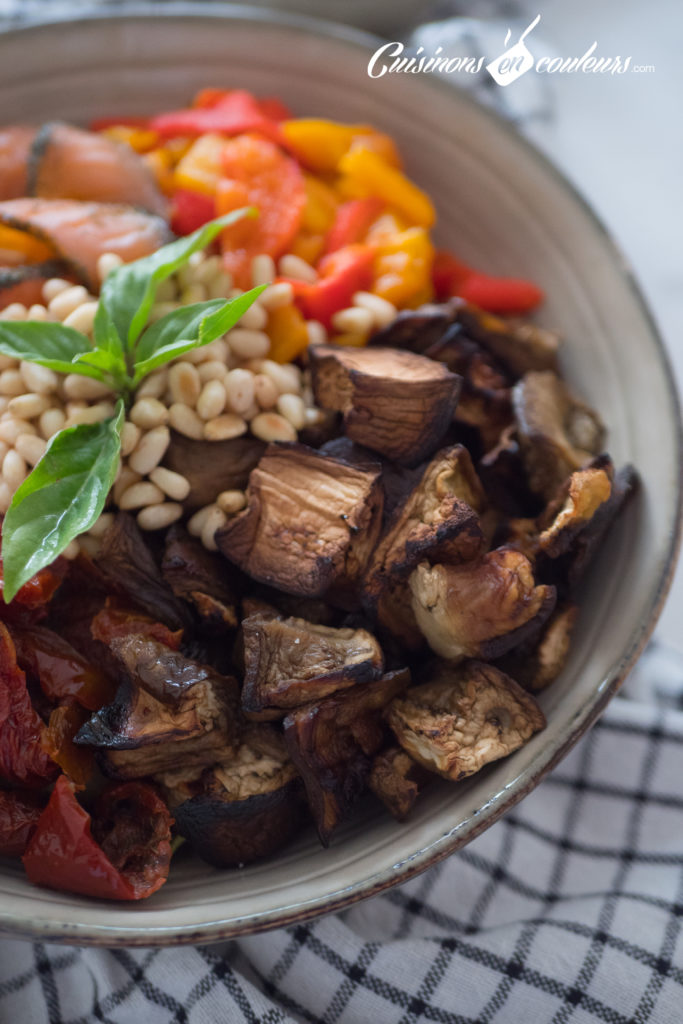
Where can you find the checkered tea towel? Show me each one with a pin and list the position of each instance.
(567, 911)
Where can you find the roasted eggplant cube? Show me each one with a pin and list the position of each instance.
(290, 662)
(464, 718)
(537, 664)
(310, 524)
(212, 466)
(332, 744)
(243, 809)
(397, 780)
(394, 402)
(518, 345)
(582, 498)
(557, 433)
(200, 578)
(480, 609)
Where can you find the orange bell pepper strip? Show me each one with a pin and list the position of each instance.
(352, 222)
(403, 267)
(288, 334)
(503, 295)
(317, 143)
(375, 177)
(201, 167)
(342, 273)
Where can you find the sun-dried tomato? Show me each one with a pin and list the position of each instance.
(23, 758)
(19, 813)
(76, 762)
(114, 620)
(62, 672)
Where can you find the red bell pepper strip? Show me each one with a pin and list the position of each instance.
(122, 853)
(341, 274)
(63, 673)
(274, 109)
(23, 759)
(232, 114)
(113, 621)
(352, 221)
(504, 295)
(19, 814)
(190, 210)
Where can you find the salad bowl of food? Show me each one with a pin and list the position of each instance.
(314, 559)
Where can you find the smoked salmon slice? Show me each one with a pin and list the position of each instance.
(25, 284)
(15, 151)
(79, 232)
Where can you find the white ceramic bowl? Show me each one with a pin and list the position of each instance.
(501, 205)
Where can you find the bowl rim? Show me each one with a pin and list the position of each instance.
(50, 928)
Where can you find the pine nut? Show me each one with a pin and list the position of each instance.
(239, 386)
(175, 485)
(161, 309)
(30, 447)
(158, 517)
(293, 410)
(211, 402)
(270, 426)
(4, 402)
(38, 379)
(212, 370)
(12, 427)
(249, 344)
(296, 268)
(231, 501)
(355, 320)
(150, 451)
(28, 406)
(153, 386)
(130, 436)
(215, 519)
(317, 335)
(107, 262)
(277, 295)
(219, 286)
(225, 427)
(37, 312)
(265, 392)
(195, 523)
(313, 417)
(8, 363)
(193, 293)
(14, 469)
(255, 318)
(101, 525)
(72, 550)
(15, 311)
(383, 311)
(186, 421)
(67, 300)
(5, 496)
(83, 317)
(91, 414)
(263, 270)
(140, 495)
(148, 413)
(4, 448)
(184, 383)
(12, 383)
(51, 422)
(54, 287)
(78, 387)
(286, 377)
(125, 479)
(90, 545)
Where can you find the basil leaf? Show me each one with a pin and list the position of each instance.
(187, 328)
(61, 498)
(128, 292)
(105, 334)
(48, 344)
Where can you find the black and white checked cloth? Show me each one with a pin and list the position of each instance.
(568, 911)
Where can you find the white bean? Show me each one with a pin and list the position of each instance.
(38, 379)
(15, 311)
(107, 262)
(293, 409)
(184, 383)
(263, 270)
(83, 317)
(383, 311)
(54, 287)
(148, 413)
(219, 286)
(317, 335)
(175, 485)
(231, 501)
(153, 386)
(150, 451)
(67, 300)
(30, 447)
(28, 406)
(354, 319)
(37, 312)
(186, 421)
(140, 495)
(249, 344)
(161, 309)
(277, 295)
(225, 427)
(285, 376)
(72, 550)
(218, 349)
(125, 479)
(12, 427)
(195, 523)
(51, 422)
(239, 386)
(14, 469)
(5, 496)
(11, 383)
(212, 370)
(101, 525)
(296, 268)
(78, 387)
(255, 318)
(91, 414)
(211, 401)
(270, 426)
(265, 391)
(158, 517)
(215, 519)
(8, 363)
(130, 436)
(208, 270)
(193, 293)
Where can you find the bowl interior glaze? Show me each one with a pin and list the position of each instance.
(500, 205)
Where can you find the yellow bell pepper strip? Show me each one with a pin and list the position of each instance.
(403, 267)
(200, 169)
(321, 206)
(377, 178)
(139, 139)
(287, 332)
(341, 274)
(319, 144)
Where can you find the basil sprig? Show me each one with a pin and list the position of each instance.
(66, 491)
